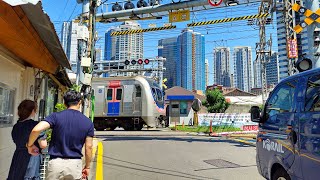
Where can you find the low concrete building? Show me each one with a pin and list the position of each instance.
(32, 67)
(240, 101)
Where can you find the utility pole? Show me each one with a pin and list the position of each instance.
(261, 48)
(86, 51)
(289, 18)
(91, 55)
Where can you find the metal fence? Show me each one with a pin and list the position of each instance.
(44, 164)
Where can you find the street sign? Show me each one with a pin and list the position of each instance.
(292, 48)
(215, 2)
(178, 16)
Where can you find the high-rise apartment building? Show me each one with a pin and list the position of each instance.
(272, 70)
(168, 50)
(302, 40)
(242, 68)
(69, 42)
(65, 35)
(125, 47)
(191, 60)
(207, 72)
(221, 68)
(257, 73)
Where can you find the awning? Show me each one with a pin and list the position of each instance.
(42, 24)
(28, 33)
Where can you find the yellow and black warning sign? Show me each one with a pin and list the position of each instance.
(135, 31)
(310, 17)
(257, 16)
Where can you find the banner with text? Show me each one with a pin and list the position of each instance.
(240, 120)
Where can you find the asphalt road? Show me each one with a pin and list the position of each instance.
(167, 155)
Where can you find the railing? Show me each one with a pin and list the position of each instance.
(44, 164)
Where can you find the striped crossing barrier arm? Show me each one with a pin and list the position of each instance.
(135, 31)
(257, 16)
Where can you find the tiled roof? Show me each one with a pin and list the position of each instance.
(236, 92)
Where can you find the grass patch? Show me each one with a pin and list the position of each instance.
(206, 129)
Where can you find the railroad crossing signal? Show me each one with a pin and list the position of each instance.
(310, 17)
(139, 61)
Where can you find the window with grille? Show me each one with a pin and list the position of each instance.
(6, 105)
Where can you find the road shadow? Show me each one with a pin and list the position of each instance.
(144, 168)
(189, 139)
(225, 168)
(151, 169)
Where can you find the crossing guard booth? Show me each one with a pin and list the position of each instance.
(179, 108)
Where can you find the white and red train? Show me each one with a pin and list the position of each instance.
(127, 102)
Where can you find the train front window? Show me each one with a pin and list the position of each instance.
(119, 94)
(159, 95)
(109, 94)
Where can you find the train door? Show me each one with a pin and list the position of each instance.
(137, 99)
(114, 97)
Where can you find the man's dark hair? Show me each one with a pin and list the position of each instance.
(72, 98)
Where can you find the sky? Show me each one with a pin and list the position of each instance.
(231, 34)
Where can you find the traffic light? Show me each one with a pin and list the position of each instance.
(139, 61)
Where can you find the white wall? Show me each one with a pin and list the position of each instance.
(245, 100)
(14, 75)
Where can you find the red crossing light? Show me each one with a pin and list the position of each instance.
(146, 61)
(140, 61)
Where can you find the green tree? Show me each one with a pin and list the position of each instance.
(215, 102)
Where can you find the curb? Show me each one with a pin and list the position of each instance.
(244, 142)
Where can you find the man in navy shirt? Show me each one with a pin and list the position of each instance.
(70, 131)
